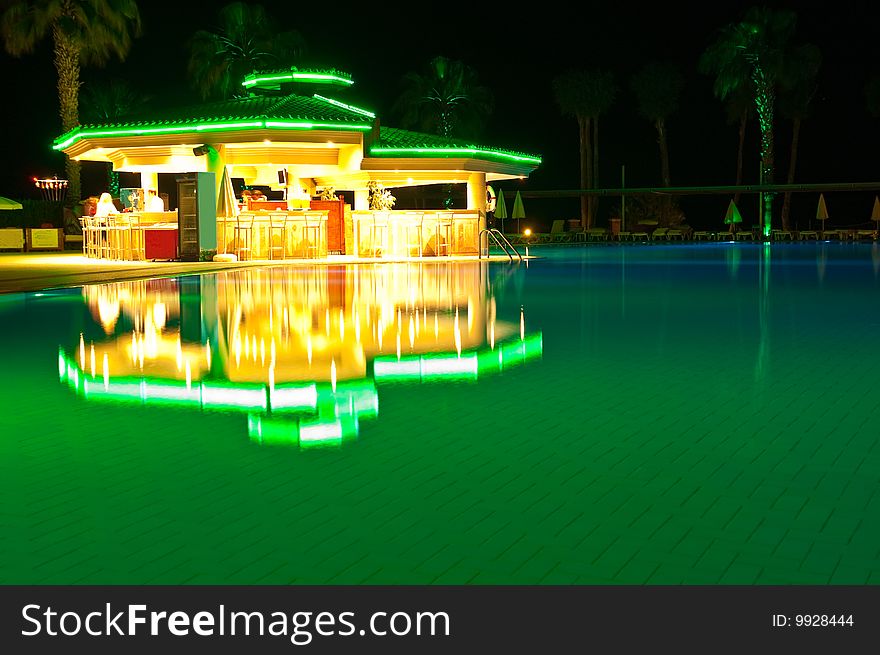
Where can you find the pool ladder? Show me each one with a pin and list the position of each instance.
(500, 240)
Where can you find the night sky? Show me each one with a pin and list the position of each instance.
(517, 53)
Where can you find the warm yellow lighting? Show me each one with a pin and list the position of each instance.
(527, 232)
(409, 180)
(267, 142)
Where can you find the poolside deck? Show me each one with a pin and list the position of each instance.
(20, 272)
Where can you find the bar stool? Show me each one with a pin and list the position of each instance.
(119, 236)
(136, 238)
(312, 234)
(243, 236)
(102, 237)
(277, 227)
(413, 230)
(378, 234)
(84, 226)
(442, 233)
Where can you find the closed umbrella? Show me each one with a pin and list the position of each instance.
(226, 204)
(732, 217)
(518, 210)
(227, 208)
(822, 212)
(501, 208)
(875, 214)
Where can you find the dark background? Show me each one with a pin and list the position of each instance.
(517, 52)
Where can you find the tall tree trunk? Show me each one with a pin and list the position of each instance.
(594, 207)
(792, 162)
(582, 137)
(67, 67)
(739, 153)
(764, 101)
(588, 130)
(660, 124)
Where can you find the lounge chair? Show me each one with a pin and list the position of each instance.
(675, 235)
(803, 235)
(864, 234)
(745, 235)
(702, 235)
(659, 234)
(558, 233)
(597, 234)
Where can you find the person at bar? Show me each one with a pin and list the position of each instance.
(154, 203)
(105, 206)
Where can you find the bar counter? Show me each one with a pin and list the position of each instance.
(417, 233)
(278, 234)
(123, 236)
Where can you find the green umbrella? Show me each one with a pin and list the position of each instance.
(6, 203)
(732, 217)
(518, 210)
(501, 208)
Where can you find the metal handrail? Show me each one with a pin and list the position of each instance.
(500, 240)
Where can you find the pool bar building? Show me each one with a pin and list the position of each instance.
(297, 133)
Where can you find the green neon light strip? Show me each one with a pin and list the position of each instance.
(356, 110)
(455, 151)
(311, 126)
(318, 78)
(201, 127)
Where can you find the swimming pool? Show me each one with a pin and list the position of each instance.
(657, 414)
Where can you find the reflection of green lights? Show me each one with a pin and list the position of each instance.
(359, 397)
(307, 433)
(309, 415)
(469, 365)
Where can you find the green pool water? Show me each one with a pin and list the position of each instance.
(622, 415)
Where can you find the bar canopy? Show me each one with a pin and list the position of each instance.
(294, 119)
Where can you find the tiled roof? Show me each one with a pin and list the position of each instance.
(255, 107)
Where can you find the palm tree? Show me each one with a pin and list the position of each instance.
(83, 32)
(586, 95)
(107, 103)
(657, 88)
(754, 53)
(245, 40)
(739, 110)
(794, 103)
(446, 98)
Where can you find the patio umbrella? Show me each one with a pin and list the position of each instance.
(875, 214)
(732, 217)
(227, 210)
(6, 203)
(518, 210)
(226, 204)
(822, 211)
(501, 208)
